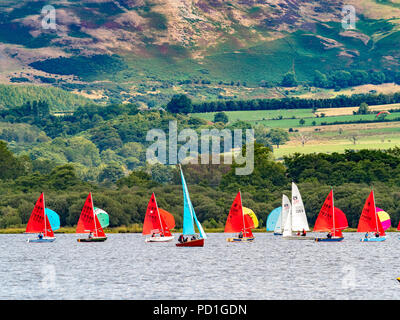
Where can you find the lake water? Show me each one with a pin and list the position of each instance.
(125, 267)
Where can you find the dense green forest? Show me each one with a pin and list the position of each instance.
(291, 103)
(103, 149)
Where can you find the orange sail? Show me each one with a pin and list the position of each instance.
(237, 221)
(157, 220)
(88, 221)
(369, 219)
(38, 222)
(331, 218)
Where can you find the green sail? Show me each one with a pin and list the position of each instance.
(102, 216)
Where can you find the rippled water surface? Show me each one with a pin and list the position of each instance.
(125, 267)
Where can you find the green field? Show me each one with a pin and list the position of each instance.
(337, 145)
(268, 118)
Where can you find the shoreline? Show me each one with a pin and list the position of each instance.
(138, 229)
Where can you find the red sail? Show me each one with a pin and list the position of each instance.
(168, 218)
(37, 220)
(88, 222)
(157, 220)
(325, 220)
(234, 223)
(369, 219)
(340, 220)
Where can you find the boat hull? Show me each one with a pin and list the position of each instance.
(191, 243)
(100, 239)
(329, 239)
(159, 239)
(235, 239)
(43, 240)
(379, 239)
(298, 238)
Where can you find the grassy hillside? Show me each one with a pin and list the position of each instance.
(127, 49)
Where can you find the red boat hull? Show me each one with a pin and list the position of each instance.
(191, 243)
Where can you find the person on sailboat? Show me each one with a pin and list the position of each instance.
(90, 235)
(240, 236)
(40, 235)
(180, 239)
(377, 234)
(329, 235)
(366, 236)
(303, 233)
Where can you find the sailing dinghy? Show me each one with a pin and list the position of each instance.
(158, 223)
(43, 221)
(330, 219)
(277, 218)
(370, 222)
(296, 218)
(189, 218)
(242, 220)
(89, 222)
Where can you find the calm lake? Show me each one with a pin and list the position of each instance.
(125, 267)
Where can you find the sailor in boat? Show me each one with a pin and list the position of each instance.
(366, 236)
(377, 234)
(303, 233)
(194, 237)
(90, 235)
(182, 239)
(329, 235)
(240, 236)
(298, 233)
(40, 235)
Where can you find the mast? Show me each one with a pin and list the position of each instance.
(186, 191)
(333, 214)
(158, 212)
(244, 228)
(44, 216)
(291, 213)
(94, 216)
(376, 216)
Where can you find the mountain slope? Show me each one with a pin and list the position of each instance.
(133, 47)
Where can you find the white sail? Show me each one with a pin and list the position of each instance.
(286, 207)
(299, 218)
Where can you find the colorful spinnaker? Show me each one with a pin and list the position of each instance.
(369, 219)
(189, 219)
(384, 217)
(103, 217)
(157, 222)
(240, 220)
(89, 223)
(330, 219)
(273, 219)
(41, 221)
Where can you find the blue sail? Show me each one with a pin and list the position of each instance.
(188, 226)
(202, 233)
(273, 218)
(54, 219)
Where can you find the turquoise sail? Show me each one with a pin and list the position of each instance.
(273, 218)
(54, 219)
(188, 226)
(202, 233)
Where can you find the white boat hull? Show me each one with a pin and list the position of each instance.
(159, 239)
(298, 238)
